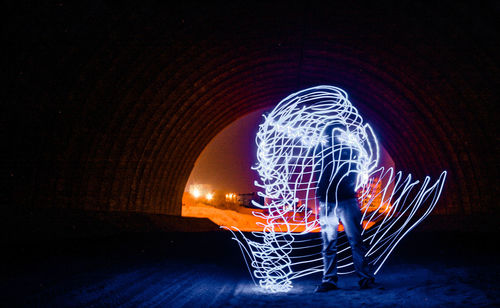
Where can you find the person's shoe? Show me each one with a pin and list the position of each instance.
(366, 283)
(325, 287)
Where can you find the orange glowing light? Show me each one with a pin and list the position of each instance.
(230, 196)
(242, 218)
(196, 193)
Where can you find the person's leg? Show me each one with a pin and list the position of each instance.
(350, 216)
(329, 225)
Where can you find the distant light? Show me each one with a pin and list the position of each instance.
(209, 196)
(196, 193)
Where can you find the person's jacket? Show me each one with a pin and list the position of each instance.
(336, 171)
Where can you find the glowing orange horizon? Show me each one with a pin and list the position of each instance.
(228, 213)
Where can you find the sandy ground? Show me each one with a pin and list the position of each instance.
(206, 270)
(243, 219)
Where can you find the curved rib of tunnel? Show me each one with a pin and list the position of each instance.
(151, 134)
(122, 114)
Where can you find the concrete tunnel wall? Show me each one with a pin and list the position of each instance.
(109, 105)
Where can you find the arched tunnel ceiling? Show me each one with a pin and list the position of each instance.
(111, 104)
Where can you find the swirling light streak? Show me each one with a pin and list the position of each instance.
(292, 151)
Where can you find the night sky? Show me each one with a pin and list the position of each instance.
(225, 162)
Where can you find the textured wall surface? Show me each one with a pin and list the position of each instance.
(107, 105)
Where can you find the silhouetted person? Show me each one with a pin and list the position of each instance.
(336, 193)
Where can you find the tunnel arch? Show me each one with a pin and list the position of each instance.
(186, 134)
(124, 105)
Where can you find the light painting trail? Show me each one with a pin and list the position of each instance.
(292, 146)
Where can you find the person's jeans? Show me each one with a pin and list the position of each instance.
(348, 212)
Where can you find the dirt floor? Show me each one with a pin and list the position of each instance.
(206, 270)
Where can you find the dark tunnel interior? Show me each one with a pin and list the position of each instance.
(108, 104)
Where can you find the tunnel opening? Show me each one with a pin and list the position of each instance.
(221, 184)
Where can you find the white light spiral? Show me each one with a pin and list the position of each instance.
(292, 146)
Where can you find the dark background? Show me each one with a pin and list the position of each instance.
(107, 105)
